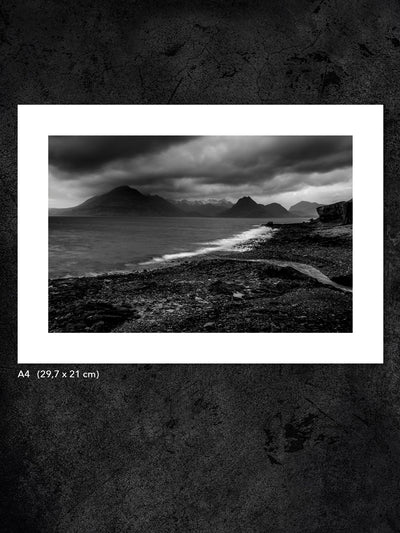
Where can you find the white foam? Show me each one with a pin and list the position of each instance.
(240, 242)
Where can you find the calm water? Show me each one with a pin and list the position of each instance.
(87, 246)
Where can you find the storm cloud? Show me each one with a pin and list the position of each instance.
(83, 154)
(286, 169)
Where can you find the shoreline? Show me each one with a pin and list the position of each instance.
(190, 255)
(257, 290)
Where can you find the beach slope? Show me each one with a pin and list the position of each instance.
(297, 281)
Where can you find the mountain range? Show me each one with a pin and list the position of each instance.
(127, 201)
(204, 208)
(246, 207)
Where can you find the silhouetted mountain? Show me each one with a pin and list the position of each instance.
(304, 209)
(246, 207)
(206, 208)
(122, 201)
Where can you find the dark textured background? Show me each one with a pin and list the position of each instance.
(201, 448)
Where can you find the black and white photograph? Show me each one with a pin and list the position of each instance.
(200, 258)
(213, 234)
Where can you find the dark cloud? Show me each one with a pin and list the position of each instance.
(294, 155)
(83, 154)
(199, 167)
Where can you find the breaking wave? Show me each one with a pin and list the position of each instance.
(240, 242)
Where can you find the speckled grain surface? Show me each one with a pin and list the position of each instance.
(198, 448)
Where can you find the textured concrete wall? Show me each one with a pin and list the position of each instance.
(200, 448)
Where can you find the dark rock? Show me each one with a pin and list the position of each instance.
(348, 212)
(260, 311)
(220, 287)
(341, 212)
(346, 280)
(97, 316)
(99, 326)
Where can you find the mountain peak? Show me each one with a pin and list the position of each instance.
(124, 192)
(246, 207)
(124, 189)
(122, 201)
(304, 209)
(246, 201)
(121, 188)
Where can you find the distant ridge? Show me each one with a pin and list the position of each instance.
(127, 201)
(304, 209)
(122, 201)
(246, 207)
(206, 208)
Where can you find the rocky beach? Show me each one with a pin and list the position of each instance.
(299, 280)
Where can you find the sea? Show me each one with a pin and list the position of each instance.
(89, 246)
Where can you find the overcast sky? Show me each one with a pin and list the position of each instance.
(269, 169)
